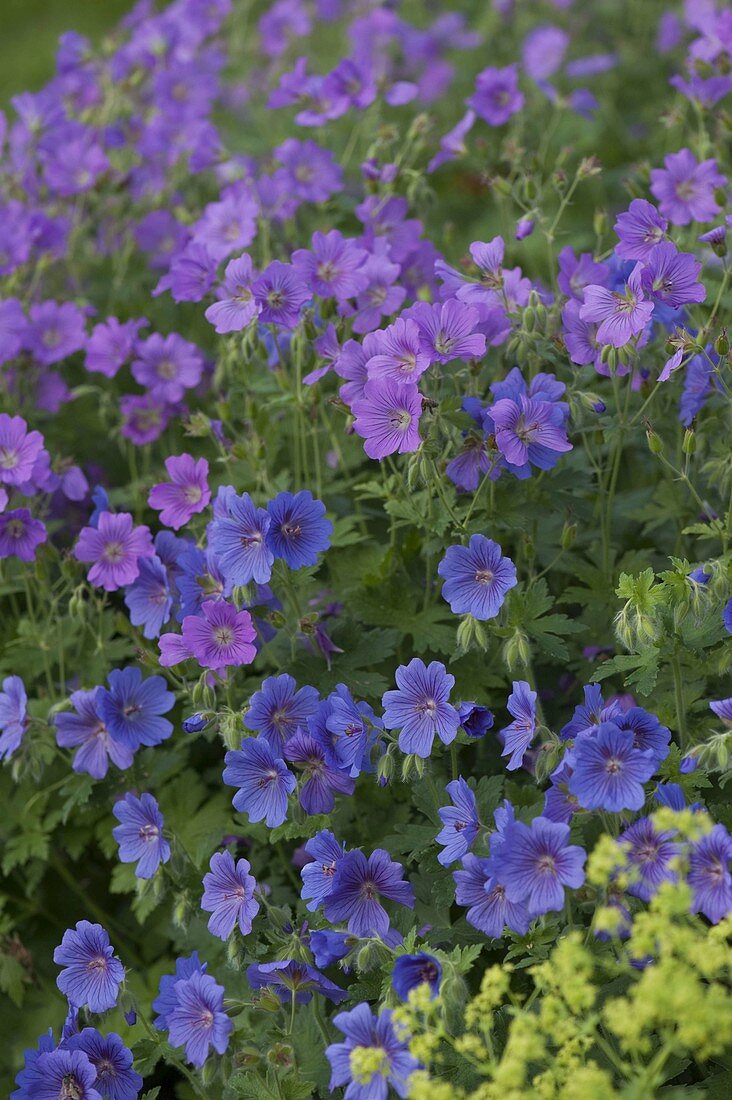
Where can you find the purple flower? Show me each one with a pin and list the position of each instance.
(110, 345)
(672, 277)
(311, 172)
(166, 999)
(198, 1020)
(115, 547)
(84, 728)
(263, 779)
(220, 637)
(459, 822)
(111, 1059)
(648, 734)
(167, 366)
(727, 616)
(318, 874)
(650, 854)
(535, 863)
(132, 708)
(543, 51)
(329, 947)
(489, 910)
(387, 417)
(19, 450)
(477, 578)
(590, 714)
(620, 316)
(529, 430)
(186, 493)
(239, 541)
(452, 144)
(148, 598)
(721, 707)
(411, 971)
(55, 331)
(92, 974)
(640, 228)
(380, 296)
(12, 329)
(400, 357)
(609, 771)
(279, 294)
(709, 875)
(236, 307)
(685, 188)
(420, 707)
(279, 708)
(13, 715)
(191, 274)
(351, 730)
(448, 330)
(496, 96)
(140, 833)
(298, 530)
(58, 1073)
(520, 733)
(290, 980)
(475, 719)
(144, 418)
(317, 793)
(358, 884)
(333, 269)
(228, 894)
(229, 225)
(576, 273)
(364, 1031)
(20, 535)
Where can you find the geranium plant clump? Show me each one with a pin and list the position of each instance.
(366, 554)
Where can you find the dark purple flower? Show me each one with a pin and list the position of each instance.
(496, 96)
(116, 1079)
(520, 733)
(91, 974)
(317, 795)
(140, 833)
(144, 418)
(387, 417)
(263, 779)
(685, 188)
(114, 547)
(411, 971)
(166, 1000)
(279, 709)
(477, 578)
(280, 293)
(609, 771)
(228, 894)
(191, 274)
(530, 431)
(648, 734)
(84, 728)
(220, 637)
(576, 273)
(452, 144)
(290, 980)
(590, 714)
(59, 1073)
(298, 530)
(350, 731)
(317, 876)
(21, 534)
(475, 719)
(420, 708)
(672, 277)
(650, 855)
(358, 885)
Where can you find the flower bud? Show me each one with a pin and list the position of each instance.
(689, 444)
(470, 633)
(655, 443)
(412, 767)
(569, 534)
(721, 344)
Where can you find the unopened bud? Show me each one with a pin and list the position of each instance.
(721, 344)
(655, 443)
(689, 444)
(470, 633)
(569, 534)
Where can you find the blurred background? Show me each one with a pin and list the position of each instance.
(29, 31)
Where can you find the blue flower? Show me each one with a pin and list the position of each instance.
(278, 709)
(239, 541)
(477, 578)
(709, 874)
(358, 884)
(140, 834)
(228, 894)
(59, 1073)
(489, 910)
(317, 794)
(198, 1020)
(194, 723)
(420, 706)
(727, 616)
(298, 532)
(475, 720)
(92, 974)
(588, 716)
(288, 977)
(166, 999)
(198, 579)
(111, 1059)
(535, 862)
(148, 598)
(317, 876)
(520, 733)
(411, 971)
(371, 1079)
(649, 855)
(460, 822)
(132, 708)
(648, 734)
(329, 947)
(353, 730)
(263, 779)
(608, 771)
(84, 727)
(13, 715)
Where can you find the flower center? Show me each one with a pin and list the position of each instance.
(70, 1088)
(400, 419)
(193, 494)
(113, 552)
(149, 833)
(223, 635)
(167, 369)
(545, 865)
(8, 458)
(613, 766)
(484, 576)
